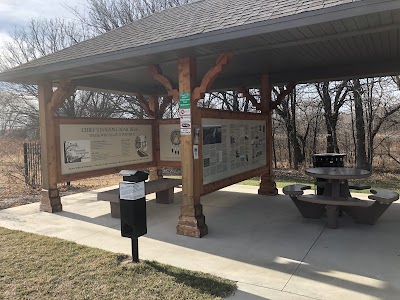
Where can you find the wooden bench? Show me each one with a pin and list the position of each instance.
(163, 187)
(307, 210)
(370, 215)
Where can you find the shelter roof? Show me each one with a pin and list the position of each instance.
(301, 40)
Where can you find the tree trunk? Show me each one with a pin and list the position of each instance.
(297, 152)
(361, 156)
(331, 111)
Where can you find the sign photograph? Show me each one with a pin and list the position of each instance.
(88, 147)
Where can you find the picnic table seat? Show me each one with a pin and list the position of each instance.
(333, 205)
(371, 214)
(352, 185)
(359, 186)
(307, 210)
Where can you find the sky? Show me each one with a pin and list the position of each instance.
(15, 13)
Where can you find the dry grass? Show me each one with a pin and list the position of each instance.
(14, 191)
(37, 267)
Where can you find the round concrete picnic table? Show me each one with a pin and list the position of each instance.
(337, 184)
(336, 192)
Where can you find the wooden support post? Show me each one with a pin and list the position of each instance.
(49, 101)
(50, 200)
(155, 172)
(267, 182)
(191, 220)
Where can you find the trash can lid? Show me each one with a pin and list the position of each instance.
(329, 154)
(127, 172)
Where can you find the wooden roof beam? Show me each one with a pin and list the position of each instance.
(211, 75)
(157, 74)
(64, 90)
(166, 101)
(144, 104)
(289, 88)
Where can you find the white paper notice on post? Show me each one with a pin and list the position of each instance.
(131, 190)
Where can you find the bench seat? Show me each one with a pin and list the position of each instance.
(359, 186)
(333, 205)
(370, 215)
(295, 189)
(383, 196)
(345, 201)
(163, 187)
(307, 210)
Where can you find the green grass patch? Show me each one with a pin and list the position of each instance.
(38, 267)
(375, 184)
(279, 184)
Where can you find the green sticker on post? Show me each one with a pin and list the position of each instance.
(184, 100)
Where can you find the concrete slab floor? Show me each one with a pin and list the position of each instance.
(261, 242)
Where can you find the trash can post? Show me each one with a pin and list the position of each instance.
(135, 249)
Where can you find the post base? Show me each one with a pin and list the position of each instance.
(50, 201)
(155, 173)
(267, 185)
(192, 221)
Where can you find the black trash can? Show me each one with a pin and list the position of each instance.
(133, 208)
(133, 213)
(326, 160)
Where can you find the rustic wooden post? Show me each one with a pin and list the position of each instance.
(267, 183)
(50, 200)
(49, 101)
(191, 220)
(155, 172)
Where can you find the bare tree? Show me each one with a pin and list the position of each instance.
(104, 15)
(38, 38)
(42, 37)
(361, 155)
(229, 100)
(382, 108)
(18, 116)
(333, 96)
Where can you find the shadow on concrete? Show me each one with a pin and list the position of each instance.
(260, 230)
(270, 233)
(103, 220)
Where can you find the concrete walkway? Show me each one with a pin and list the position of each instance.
(261, 242)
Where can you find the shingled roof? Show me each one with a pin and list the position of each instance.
(199, 17)
(206, 28)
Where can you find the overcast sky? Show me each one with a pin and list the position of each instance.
(17, 12)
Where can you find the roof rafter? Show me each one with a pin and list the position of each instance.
(157, 74)
(211, 75)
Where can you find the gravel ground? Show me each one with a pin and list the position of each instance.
(17, 201)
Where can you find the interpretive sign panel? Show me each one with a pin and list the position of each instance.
(170, 142)
(231, 147)
(88, 147)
